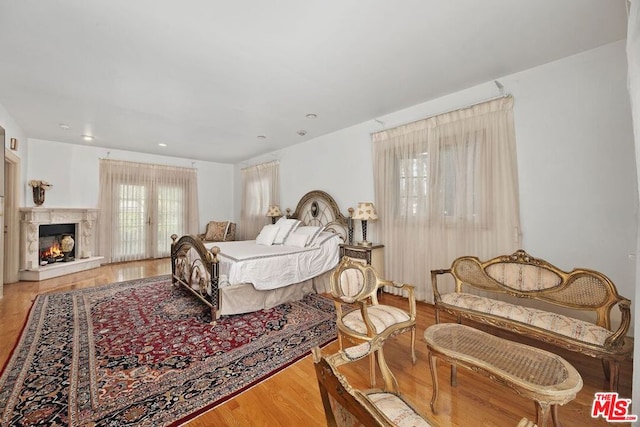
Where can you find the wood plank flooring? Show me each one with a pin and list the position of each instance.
(291, 397)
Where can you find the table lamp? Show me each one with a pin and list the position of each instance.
(365, 212)
(274, 212)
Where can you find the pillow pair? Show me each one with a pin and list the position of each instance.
(276, 234)
(305, 235)
(267, 235)
(285, 228)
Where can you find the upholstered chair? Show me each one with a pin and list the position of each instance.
(347, 406)
(219, 231)
(360, 317)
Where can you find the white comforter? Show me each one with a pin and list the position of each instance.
(276, 266)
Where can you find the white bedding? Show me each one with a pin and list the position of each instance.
(275, 266)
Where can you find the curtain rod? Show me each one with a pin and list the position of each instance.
(444, 112)
(142, 164)
(257, 165)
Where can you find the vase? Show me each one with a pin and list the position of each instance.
(66, 246)
(38, 195)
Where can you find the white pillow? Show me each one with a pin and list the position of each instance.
(267, 235)
(285, 227)
(295, 239)
(311, 231)
(325, 236)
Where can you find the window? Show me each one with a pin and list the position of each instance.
(452, 191)
(413, 185)
(446, 186)
(260, 188)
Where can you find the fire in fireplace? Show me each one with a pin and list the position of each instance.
(53, 242)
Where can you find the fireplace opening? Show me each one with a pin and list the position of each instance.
(54, 242)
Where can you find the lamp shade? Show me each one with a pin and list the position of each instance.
(365, 212)
(274, 210)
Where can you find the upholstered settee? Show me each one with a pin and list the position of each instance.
(219, 231)
(483, 291)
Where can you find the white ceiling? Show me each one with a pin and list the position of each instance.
(206, 77)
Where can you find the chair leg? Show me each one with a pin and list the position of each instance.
(372, 369)
(390, 382)
(413, 345)
(611, 370)
(614, 374)
(454, 375)
(606, 367)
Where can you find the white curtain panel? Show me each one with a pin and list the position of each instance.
(260, 189)
(633, 61)
(142, 205)
(445, 187)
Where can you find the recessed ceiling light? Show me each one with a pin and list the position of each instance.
(87, 137)
(302, 132)
(262, 137)
(162, 144)
(64, 126)
(312, 116)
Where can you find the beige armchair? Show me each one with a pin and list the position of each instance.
(360, 317)
(219, 231)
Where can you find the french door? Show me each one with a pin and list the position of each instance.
(142, 205)
(148, 214)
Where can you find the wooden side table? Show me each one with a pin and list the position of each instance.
(371, 255)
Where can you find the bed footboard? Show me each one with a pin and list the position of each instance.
(196, 269)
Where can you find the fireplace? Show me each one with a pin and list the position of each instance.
(43, 236)
(53, 243)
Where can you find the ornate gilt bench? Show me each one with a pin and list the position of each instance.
(537, 374)
(482, 288)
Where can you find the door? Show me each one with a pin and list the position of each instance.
(133, 223)
(148, 215)
(11, 217)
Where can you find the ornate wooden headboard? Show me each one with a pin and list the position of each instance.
(319, 208)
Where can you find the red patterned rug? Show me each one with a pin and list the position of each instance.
(144, 353)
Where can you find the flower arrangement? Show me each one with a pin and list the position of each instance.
(37, 183)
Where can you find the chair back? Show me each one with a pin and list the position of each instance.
(348, 406)
(341, 406)
(354, 281)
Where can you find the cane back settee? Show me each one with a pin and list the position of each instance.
(557, 293)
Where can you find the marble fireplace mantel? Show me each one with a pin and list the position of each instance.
(85, 221)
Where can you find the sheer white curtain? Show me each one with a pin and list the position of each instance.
(633, 63)
(260, 188)
(447, 186)
(141, 205)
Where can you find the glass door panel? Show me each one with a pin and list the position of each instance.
(133, 222)
(169, 218)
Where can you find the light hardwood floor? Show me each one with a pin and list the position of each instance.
(291, 397)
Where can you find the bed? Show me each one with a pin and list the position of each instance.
(288, 260)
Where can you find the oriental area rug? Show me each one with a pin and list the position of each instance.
(144, 353)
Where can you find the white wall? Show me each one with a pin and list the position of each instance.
(12, 130)
(74, 172)
(578, 191)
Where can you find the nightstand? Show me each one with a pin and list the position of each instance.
(372, 255)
